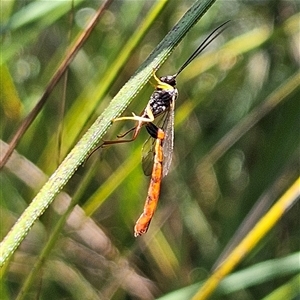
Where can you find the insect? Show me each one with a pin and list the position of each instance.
(161, 103)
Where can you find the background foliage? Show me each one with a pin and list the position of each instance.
(204, 198)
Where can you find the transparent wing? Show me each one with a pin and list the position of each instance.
(168, 142)
(148, 153)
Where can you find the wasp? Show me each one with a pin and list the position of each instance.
(161, 138)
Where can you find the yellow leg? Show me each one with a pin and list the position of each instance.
(148, 119)
(155, 77)
(160, 84)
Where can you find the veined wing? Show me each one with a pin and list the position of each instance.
(168, 142)
(148, 153)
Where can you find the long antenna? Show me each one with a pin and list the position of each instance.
(203, 45)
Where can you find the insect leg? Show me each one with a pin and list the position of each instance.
(146, 117)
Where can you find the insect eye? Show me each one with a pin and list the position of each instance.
(171, 80)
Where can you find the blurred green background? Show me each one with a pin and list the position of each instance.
(204, 198)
